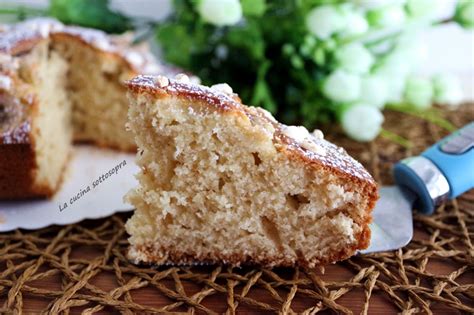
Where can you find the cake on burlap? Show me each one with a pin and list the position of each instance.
(223, 182)
(57, 84)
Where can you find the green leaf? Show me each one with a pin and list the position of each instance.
(253, 7)
(89, 13)
(464, 15)
(15, 13)
(389, 135)
(432, 115)
(176, 43)
(319, 56)
(262, 95)
(289, 85)
(249, 38)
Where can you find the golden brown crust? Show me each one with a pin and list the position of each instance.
(16, 108)
(147, 84)
(17, 174)
(17, 154)
(17, 163)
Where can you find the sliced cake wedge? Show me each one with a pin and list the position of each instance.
(222, 182)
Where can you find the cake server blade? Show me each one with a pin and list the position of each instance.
(392, 225)
(442, 172)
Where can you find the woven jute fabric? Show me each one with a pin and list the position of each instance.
(82, 268)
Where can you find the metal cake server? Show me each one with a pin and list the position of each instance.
(442, 172)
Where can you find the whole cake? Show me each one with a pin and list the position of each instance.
(58, 84)
(224, 182)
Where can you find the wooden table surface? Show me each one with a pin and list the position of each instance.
(353, 300)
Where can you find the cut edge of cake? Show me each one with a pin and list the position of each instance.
(60, 84)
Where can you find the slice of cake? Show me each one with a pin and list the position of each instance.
(58, 84)
(224, 182)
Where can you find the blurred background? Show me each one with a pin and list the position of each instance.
(449, 48)
(330, 69)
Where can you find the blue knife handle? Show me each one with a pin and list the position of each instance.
(443, 171)
(454, 156)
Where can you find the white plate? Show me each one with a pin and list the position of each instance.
(108, 174)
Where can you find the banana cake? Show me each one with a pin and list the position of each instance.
(60, 84)
(222, 182)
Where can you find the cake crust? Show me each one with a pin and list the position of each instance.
(23, 37)
(331, 158)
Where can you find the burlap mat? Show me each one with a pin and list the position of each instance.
(82, 268)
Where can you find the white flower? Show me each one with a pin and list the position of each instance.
(356, 24)
(354, 58)
(324, 21)
(412, 47)
(419, 92)
(447, 90)
(395, 67)
(391, 16)
(362, 122)
(220, 12)
(371, 4)
(374, 91)
(401, 62)
(395, 88)
(341, 86)
(424, 9)
(395, 64)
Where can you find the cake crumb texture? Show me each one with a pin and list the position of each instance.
(222, 182)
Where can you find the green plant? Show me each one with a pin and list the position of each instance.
(313, 61)
(87, 13)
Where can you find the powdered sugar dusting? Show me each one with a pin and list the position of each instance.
(298, 133)
(182, 78)
(161, 81)
(334, 157)
(189, 89)
(222, 87)
(24, 31)
(5, 82)
(42, 28)
(96, 38)
(135, 58)
(302, 136)
(318, 134)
